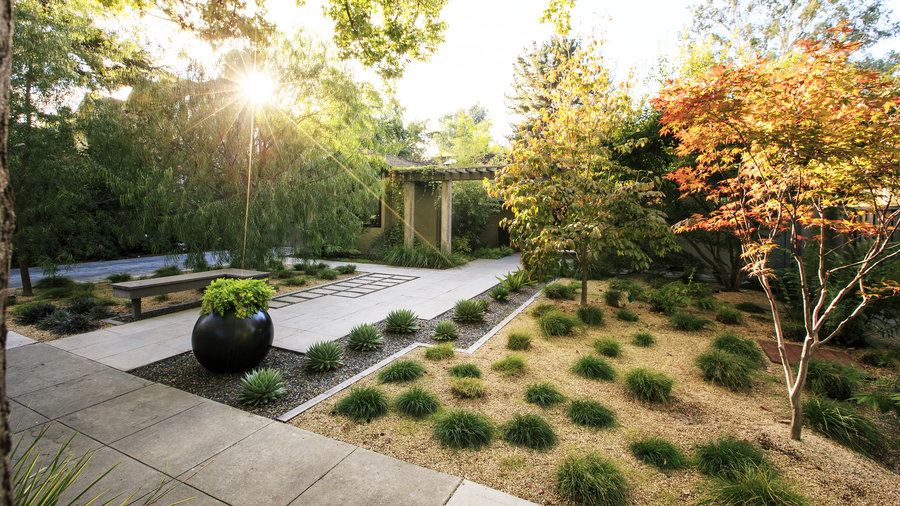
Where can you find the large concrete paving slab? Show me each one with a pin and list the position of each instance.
(80, 393)
(39, 366)
(474, 494)
(23, 418)
(14, 340)
(175, 492)
(365, 478)
(272, 466)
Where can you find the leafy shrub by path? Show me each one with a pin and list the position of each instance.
(64, 322)
(649, 386)
(31, 313)
(70, 290)
(544, 395)
(468, 388)
(261, 386)
(591, 315)
(831, 379)
(518, 341)
(417, 402)
(53, 282)
(626, 316)
(499, 293)
(592, 480)
(728, 457)
(594, 368)
(510, 365)
(464, 429)
(559, 291)
(365, 337)
(591, 414)
(420, 256)
(444, 331)
(282, 274)
(327, 273)
(844, 425)
(657, 452)
(555, 324)
(324, 356)
(439, 352)
(530, 431)
(740, 346)
(119, 277)
(345, 269)
(725, 369)
(515, 281)
(169, 270)
(608, 347)
(363, 404)
(689, 323)
(643, 339)
(706, 303)
(401, 321)
(636, 290)
(730, 316)
(294, 281)
(751, 307)
(484, 304)
(613, 298)
(667, 301)
(753, 486)
(542, 309)
(401, 371)
(468, 311)
(465, 371)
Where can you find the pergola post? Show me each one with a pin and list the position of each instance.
(446, 215)
(409, 213)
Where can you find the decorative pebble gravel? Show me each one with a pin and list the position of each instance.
(185, 373)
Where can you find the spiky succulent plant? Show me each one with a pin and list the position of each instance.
(261, 386)
(365, 337)
(324, 356)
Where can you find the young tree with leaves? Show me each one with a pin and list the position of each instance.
(532, 76)
(798, 150)
(564, 186)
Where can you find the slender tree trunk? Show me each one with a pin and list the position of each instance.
(584, 277)
(27, 289)
(7, 220)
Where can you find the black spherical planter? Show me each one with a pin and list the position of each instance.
(230, 344)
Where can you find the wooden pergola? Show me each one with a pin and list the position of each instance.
(409, 176)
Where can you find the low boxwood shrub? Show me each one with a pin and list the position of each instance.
(401, 321)
(730, 316)
(649, 386)
(465, 371)
(751, 307)
(725, 369)
(444, 331)
(591, 414)
(468, 388)
(261, 386)
(831, 379)
(643, 339)
(740, 346)
(518, 341)
(529, 431)
(324, 356)
(657, 452)
(592, 480)
(590, 315)
(753, 485)
(594, 368)
(728, 457)
(439, 352)
(499, 293)
(626, 316)
(468, 311)
(510, 365)
(463, 429)
(363, 404)
(365, 337)
(845, 425)
(559, 291)
(541, 310)
(555, 324)
(401, 371)
(345, 269)
(608, 347)
(688, 322)
(327, 273)
(417, 402)
(544, 395)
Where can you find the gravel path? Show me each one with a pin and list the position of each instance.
(185, 373)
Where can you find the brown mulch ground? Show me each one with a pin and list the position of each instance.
(793, 352)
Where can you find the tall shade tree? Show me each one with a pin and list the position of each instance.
(564, 186)
(794, 152)
(532, 74)
(465, 136)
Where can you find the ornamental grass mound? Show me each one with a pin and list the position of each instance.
(465, 371)
(444, 331)
(439, 352)
(544, 395)
(590, 315)
(417, 403)
(727, 457)
(592, 480)
(510, 365)
(752, 486)
(529, 431)
(846, 426)
(832, 379)
(594, 368)
(608, 347)
(401, 371)
(518, 341)
(741, 346)
(556, 324)
(725, 369)
(657, 452)
(468, 388)
(363, 404)
(588, 413)
(559, 291)
(464, 429)
(649, 386)
(627, 316)
(643, 339)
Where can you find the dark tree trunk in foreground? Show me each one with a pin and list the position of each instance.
(6, 229)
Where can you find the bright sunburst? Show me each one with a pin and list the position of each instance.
(258, 87)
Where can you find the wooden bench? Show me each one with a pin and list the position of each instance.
(135, 290)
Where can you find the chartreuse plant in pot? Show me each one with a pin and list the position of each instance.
(234, 332)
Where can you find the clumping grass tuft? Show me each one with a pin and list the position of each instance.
(643, 339)
(64, 322)
(594, 368)
(544, 395)
(626, 315)
(465, 371)
(464, 429)
(725, 369)
(510, 365)
(542, 309)
(169, 270)
(590, 414)
(831, 379)
(365, 337)
(518, 341)
(727, 457)
(417, 402)
(401, 321)
(327, 273)
(324, 356)
(689, 322)
(751, 307)
(592, 480)
(444, 331)
(401, 371)
(753, 486)
(591, 315)
(706, 303)
(363, 404)
(499, 293)
(468, 388)
(439, 352)
(554, 324)
(530, 431)
(613, 298)
(295, 281)
(657, 452)
(740, 346)
(559, 291)
(649, 386)
(29, 314)
(468, 311)
(730, 316)
(119, 277)
(608, 347)
(345, 269)
(261, 386)
(844, 425)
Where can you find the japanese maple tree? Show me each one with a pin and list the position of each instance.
(793, 154)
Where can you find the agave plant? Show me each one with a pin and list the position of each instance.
(445, 331)
(365, 337)
(401, 321)
(261, 386)
(324, 356)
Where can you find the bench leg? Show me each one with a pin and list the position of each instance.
(136, 308)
